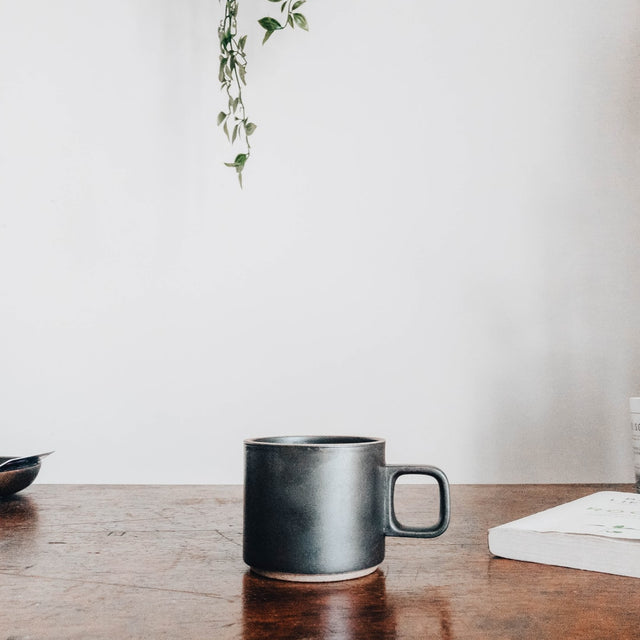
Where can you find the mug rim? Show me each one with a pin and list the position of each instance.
(318, 441)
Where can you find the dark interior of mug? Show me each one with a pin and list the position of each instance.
(315, 440)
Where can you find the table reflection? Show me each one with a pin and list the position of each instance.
(349, 609)
(18, 526)
(17, 512)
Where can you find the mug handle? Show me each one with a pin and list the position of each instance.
(392, 526)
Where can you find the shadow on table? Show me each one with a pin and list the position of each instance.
(584, 604)
(347, 610)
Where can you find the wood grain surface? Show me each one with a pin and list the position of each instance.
(120, 562)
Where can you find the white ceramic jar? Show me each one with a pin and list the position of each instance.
(635, 436)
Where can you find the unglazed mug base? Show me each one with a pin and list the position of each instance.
(314, 577)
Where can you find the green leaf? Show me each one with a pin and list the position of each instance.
(234, 135)
(297, 5)
(301, 21)
(221, 117)
(225, 38)
(267, 35)
(290, 21)
(242, 42)
(274, 0)
(225, 129)
(242, 73)
(239, 161)
(250, 128)
(270, 24)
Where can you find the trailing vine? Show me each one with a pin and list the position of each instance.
(233, 70)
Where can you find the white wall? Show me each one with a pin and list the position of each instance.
(438, 241)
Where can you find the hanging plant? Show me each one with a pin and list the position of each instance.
(233, 71)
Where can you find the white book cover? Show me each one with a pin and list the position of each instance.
(600, 532)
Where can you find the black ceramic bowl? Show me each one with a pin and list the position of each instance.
(16, 479)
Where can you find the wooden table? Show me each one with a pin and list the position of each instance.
(155, 562)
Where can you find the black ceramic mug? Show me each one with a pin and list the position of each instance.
(318, 508)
